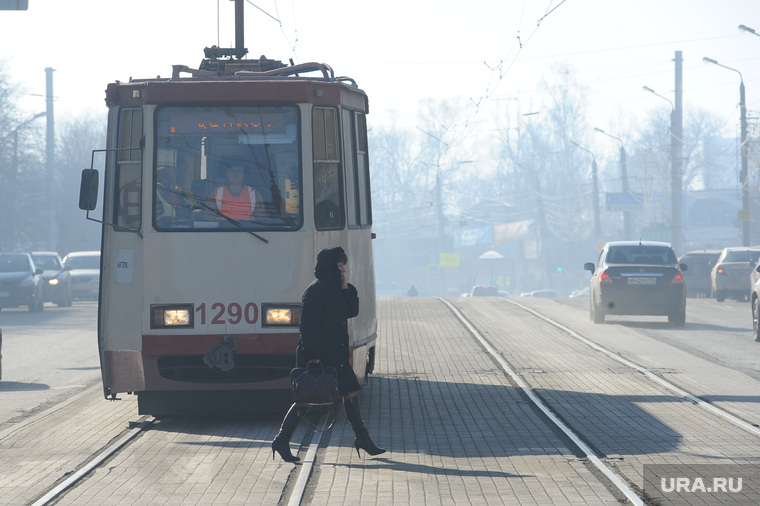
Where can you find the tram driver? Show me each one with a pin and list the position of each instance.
(234, 199)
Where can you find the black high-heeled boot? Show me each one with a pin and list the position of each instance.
(281, 442)
(362, 439)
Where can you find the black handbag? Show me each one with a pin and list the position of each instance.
(315, 385)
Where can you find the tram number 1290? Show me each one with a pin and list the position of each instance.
(233, 313)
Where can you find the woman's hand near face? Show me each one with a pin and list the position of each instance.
(342, 268)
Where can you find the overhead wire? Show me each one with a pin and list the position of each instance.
(500, 67)
(276, 18)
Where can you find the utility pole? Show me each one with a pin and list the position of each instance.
(745, 169)
(624, 175)
(676, 158)
(50, 161)
(595, 190)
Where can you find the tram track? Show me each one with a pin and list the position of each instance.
(753, 429)
(174, 443)
(292, 494)
(96, 461)
(616, 479)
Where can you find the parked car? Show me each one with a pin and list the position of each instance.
(637, 278)
(754, 299)
(56, 279)
(580, 292)
(545, 293)
(20, 281)
(700, 264)
(85, 274)
(484, 291)
(730, 276)
(754, 277)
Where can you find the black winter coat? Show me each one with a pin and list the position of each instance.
(325, 310)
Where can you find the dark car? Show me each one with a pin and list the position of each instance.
(20, 281)
(700, 264)
(484, 291)
(730, 277)
(56, 279)
(637, 278)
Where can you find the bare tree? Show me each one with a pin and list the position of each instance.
(705, 160)
(21, 173)
(548, 177)
(77, 138)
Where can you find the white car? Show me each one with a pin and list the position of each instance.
(84, 267)
(56, 279)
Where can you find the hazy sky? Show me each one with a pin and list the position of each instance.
(481, 51)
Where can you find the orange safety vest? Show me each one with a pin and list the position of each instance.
(237, 207)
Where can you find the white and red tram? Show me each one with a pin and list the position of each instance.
(199, 309)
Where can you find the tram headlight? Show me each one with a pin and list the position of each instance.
(171, 316)
(281, 315)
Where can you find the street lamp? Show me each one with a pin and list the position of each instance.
(745, 214)
(676, 149)
(15, 137)
(748, 29)
(595, 180)
(624, 175)
(650, 90)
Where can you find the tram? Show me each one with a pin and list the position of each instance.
(199, 301)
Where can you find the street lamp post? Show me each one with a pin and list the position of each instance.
(595, 182)
(439, 208)
(624, 175)
(745, 214)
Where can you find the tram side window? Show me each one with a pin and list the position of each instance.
(362, 170)
(357, 169)
(328, 201)
(129, 168)
(349, 157)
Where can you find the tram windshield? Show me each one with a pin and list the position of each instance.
(227, 168)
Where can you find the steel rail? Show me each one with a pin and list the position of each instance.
(92, 464)
(528, 391)
(643, 370)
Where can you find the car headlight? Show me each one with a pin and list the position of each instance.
(281, 315)
(171, 316)
(53, 281)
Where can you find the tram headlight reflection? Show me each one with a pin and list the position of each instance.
(277, 315)
(171, 316)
